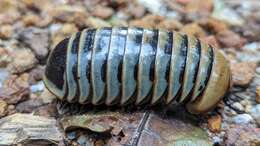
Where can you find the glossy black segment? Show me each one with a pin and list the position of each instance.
(56, 65)
(138, 37)
(74, 61)
(153, 43)
(183, 56)
(198, 51)
(168, 45)
(196, 62)
(137, 41)
(119, 73)
(89, 44)
(209, 69)
(90, 39)
(168, 50)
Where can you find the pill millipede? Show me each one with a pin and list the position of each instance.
(132, 65)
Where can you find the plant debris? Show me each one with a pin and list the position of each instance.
(19, 128)
(136, 129)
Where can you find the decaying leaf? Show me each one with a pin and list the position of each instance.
(19, 128)
(112, 122)
(139, 129)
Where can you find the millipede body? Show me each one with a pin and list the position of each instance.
(122, 66)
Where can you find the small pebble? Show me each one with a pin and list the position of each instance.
(170, 24)
(97, 22)
(229, 111)
(82, 140)
(213, 24)
(242, 119)
(3, 108)
(258, 94)
(193, 29)
(137, 10)
(230, 39)
(29, 105)
(36, 74)
(258, 70)
(156, 7)
(149, 21)
(71, 135)
(37, 87)
(255, 112)
(238, 106)
(73, 143)
(242, 135)
(216, 140)
(244, 102)
(31, 20)
(214, 123)
(24, 59)
(11, 107)
(3, 75)
(243, 73)
(226, 14)
(6, 31)
(5, 57)
(252, 46)
(248, 108)
(102, 12)
(37, 40)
